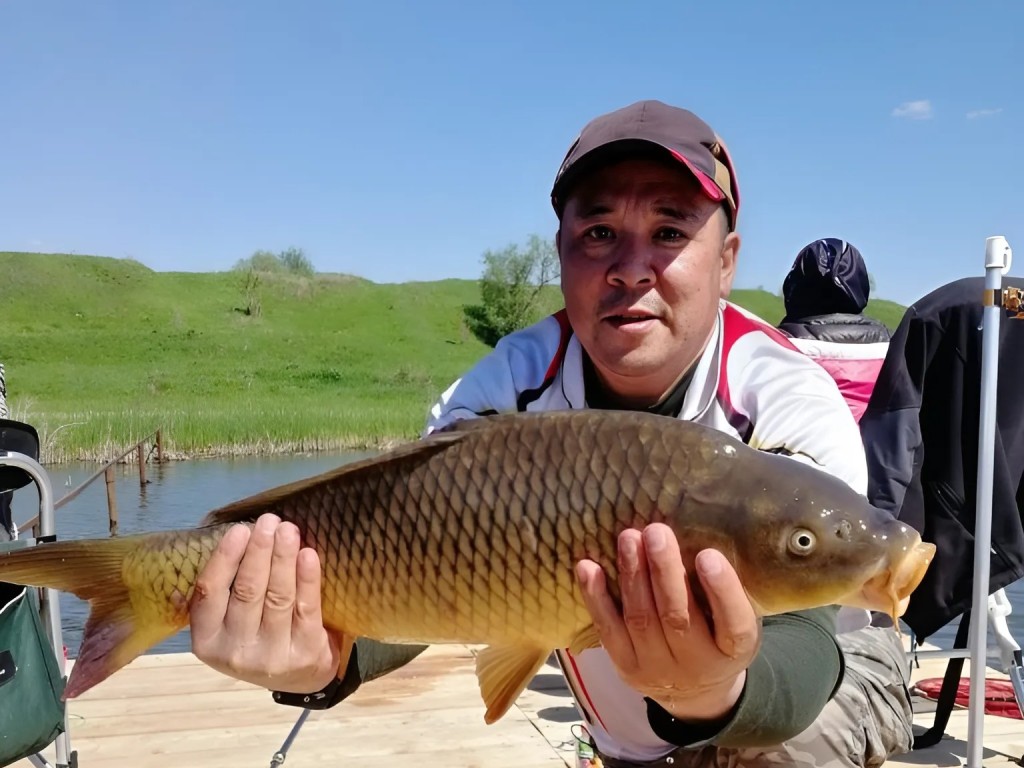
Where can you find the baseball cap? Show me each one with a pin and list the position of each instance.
(647, 125)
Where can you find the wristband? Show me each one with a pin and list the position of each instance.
(325, 698)
(335, 691)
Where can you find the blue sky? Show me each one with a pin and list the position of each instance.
(400, 140)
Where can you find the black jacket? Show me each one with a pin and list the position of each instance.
(839, 327)
(920, 433)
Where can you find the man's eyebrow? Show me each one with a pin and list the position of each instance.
(667, 207)
(593, 210)
(673, 211)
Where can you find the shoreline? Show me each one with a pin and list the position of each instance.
(101, 454)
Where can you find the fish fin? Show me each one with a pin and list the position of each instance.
(115, 632)
(113, 638)
(248, 509)
(345, 644)
(503, 673)
(588, 637)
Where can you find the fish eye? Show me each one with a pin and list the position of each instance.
(802, 541)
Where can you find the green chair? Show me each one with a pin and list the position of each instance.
(32, 664)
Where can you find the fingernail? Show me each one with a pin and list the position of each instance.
(709, 563)
(583, 574)
(267, 523)
(654, 540)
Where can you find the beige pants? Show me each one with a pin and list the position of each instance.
(867, 721)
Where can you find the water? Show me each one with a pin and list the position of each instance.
(180, 493)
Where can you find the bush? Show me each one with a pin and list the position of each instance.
(512, 289)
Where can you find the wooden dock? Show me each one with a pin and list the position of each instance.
(168, 711)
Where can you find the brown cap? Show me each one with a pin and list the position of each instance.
(641, 127)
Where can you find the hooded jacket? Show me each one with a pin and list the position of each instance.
(825, 292)
(920, 433)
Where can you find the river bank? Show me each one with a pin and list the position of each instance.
(207, 432)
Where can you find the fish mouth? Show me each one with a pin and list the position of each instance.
(889, 590)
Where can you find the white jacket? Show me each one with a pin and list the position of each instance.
(750, 382)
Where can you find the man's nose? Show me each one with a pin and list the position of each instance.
(633, 264)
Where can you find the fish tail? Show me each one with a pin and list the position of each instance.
(121, 624)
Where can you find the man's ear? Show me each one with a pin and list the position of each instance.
(730, 257)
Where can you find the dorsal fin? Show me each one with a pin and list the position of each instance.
(248, 509)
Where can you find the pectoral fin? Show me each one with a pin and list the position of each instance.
(588, 637)
(345, 643)
(503, 673)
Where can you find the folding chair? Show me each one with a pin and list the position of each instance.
(32, 661)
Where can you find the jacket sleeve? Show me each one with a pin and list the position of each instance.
(797, 670)
(518, 362)
(890, 427)
(795, 409)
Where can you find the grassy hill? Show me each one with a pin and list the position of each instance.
(100, 352)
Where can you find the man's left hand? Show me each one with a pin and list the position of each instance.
(661, 641)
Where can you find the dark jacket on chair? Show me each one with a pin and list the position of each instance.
(920, 432)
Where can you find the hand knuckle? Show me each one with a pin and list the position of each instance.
(235, 664)
(306, 609)
(202, 588)
(676, 619)
(278, 601)
(246, 592)
(636, 621)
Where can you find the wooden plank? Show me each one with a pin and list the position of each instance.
(168, 710)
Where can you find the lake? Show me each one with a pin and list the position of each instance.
(179, 493)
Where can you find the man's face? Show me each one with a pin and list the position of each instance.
(645, 257)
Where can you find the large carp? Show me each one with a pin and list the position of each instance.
(471, 535)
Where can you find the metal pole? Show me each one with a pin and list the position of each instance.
(279, 756)
(997, 263)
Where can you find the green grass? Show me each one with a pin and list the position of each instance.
(100, 352)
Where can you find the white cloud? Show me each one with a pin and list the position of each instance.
(976, 113)
(914, 110)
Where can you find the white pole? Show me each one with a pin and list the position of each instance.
(997, 263)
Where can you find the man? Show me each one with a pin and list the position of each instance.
(825, 292)
(647, 202)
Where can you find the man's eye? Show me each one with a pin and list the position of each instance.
(668, 233)
(599, 232)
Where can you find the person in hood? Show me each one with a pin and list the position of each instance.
(825, 292)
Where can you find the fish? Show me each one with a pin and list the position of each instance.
(470, 535)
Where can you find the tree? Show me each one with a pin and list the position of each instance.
(292, 260)
(512, 289)
(296, 262)
(260, 261)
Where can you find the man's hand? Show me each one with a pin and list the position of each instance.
(255, 614)
(661, 642)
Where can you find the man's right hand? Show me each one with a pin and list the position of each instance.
(255, 612)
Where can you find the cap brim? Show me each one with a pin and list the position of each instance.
(707, 184)
(621, 149)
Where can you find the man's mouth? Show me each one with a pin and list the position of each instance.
(629, 319)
